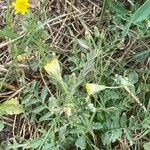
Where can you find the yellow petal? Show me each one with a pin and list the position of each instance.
(53, 67)
(21, 6)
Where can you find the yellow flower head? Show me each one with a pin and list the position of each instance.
(88, 87)
(53, 68)
(21, 6)
(92, 88)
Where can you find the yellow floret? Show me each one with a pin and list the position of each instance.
(88, 87)
(21, 6)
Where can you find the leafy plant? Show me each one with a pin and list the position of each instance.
(80, 81)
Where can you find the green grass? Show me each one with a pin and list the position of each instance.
(105, 43)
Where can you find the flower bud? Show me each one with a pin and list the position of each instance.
(92, 88)
(53, 68)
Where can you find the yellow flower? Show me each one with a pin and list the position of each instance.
(53, 68)
(92, 88)
(21, 6)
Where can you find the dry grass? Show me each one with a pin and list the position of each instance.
(64, 21)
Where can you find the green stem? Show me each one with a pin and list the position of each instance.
(64, 86)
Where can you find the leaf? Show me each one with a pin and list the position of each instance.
(1, 125)
(110, 95)
(126, 30)
(83, 43)
(111, 136)
(133, 77)
(8, 33)
(34, 65)
(80, 142)
(142, 56)
(123, 121)
(132, 121)
(52, 102)
(74, 131)
(106, 138)
(124, 81)
(11, 107)
(97, 126)
(46, 116)
(34, 144)
(116, 135)
(147, 146)
(27, 98)
(146, 122)
(120, 10)
(142, 13)
(32, 102)
(49, 147)
(129, 137)
(44, 93)
(62, 131)
(38, 109)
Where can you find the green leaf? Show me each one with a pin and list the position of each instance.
(106, 138)
(38, 109)
(142, 56)
(116, 135)
(1, 125)
(52, 102)
(120, 10)
(97, 126)
(129, 137)
(133, 77)
(132, 121)
(123, 121)
(62, 131)
(34, 144)
(111, 136)
(110, 95)
(32, 102)
(147, 146)
(44, 93)
(48, 146)
(80, 142)
(8, 33)
(126, 30)
(46, 116)
(11, 107)
(124, 81)
(27, 98)
(83, 43)
(142, 13)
